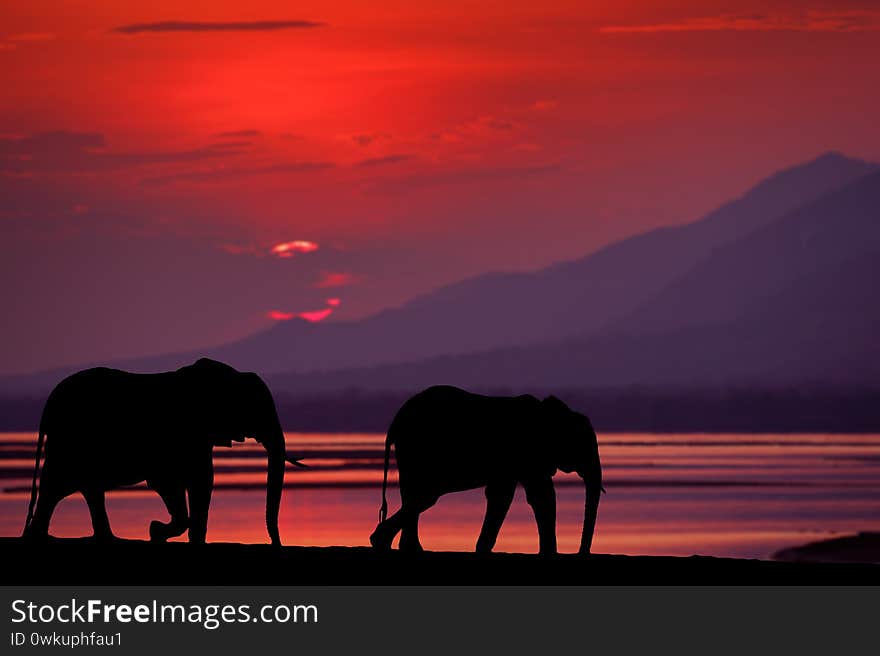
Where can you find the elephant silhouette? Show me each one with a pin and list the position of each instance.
(105, 428)
(447, 439)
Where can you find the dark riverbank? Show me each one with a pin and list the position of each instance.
(861, 548)
(81, 562)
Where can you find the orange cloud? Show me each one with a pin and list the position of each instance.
(334, 279)
(312, 316)
(316, 315)
(283, 249)
(290, 248)
(278, 315)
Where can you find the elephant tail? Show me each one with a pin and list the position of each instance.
(40, 440)
(383, 511)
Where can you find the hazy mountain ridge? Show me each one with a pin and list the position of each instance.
(791, 303)
(840, 226)
(647, 281)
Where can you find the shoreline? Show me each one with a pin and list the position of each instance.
(863, 548)
(64, 561)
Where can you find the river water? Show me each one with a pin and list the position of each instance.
(675, 494)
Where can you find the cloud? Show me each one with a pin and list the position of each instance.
(12, 41)
(284, 249)
(806, 21)
(290, 248)
(141, 158)
(242, 134)
(278, 315)
(62, 150)
(225, 173)
(367, 138)
(381, 161)
(217, 26)
(312, 316)
(543, 105)
(465, 176)
(481, 128)
(330, 279)
(49, 144)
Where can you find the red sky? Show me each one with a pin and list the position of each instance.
(152, 156)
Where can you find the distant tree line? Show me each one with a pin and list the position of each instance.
(636, 409)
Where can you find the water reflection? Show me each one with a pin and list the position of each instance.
(726, 495)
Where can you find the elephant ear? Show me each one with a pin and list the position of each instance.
(232, 394)
(556, 412)
(210, 393)
(554, 421)
(553, 402)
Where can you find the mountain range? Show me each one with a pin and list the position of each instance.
(775, 287)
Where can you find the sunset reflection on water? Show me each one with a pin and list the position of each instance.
(723, 495)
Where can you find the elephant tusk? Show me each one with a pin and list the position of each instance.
(296, 462)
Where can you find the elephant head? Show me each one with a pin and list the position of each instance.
(231, 406)
(573, 447)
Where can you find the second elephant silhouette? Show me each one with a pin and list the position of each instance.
(447, 439)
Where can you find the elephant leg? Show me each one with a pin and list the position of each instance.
(46, 502)
(409, 534)
(52, 490)
(406, 519)
(542, 498)
(413, 505)
(386, 531)
(174, 496)
(98, 511)
(499, 496)
(199, 488)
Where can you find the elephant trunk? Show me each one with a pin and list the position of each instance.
(591, 473)
(274, 482)
(593, 489)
